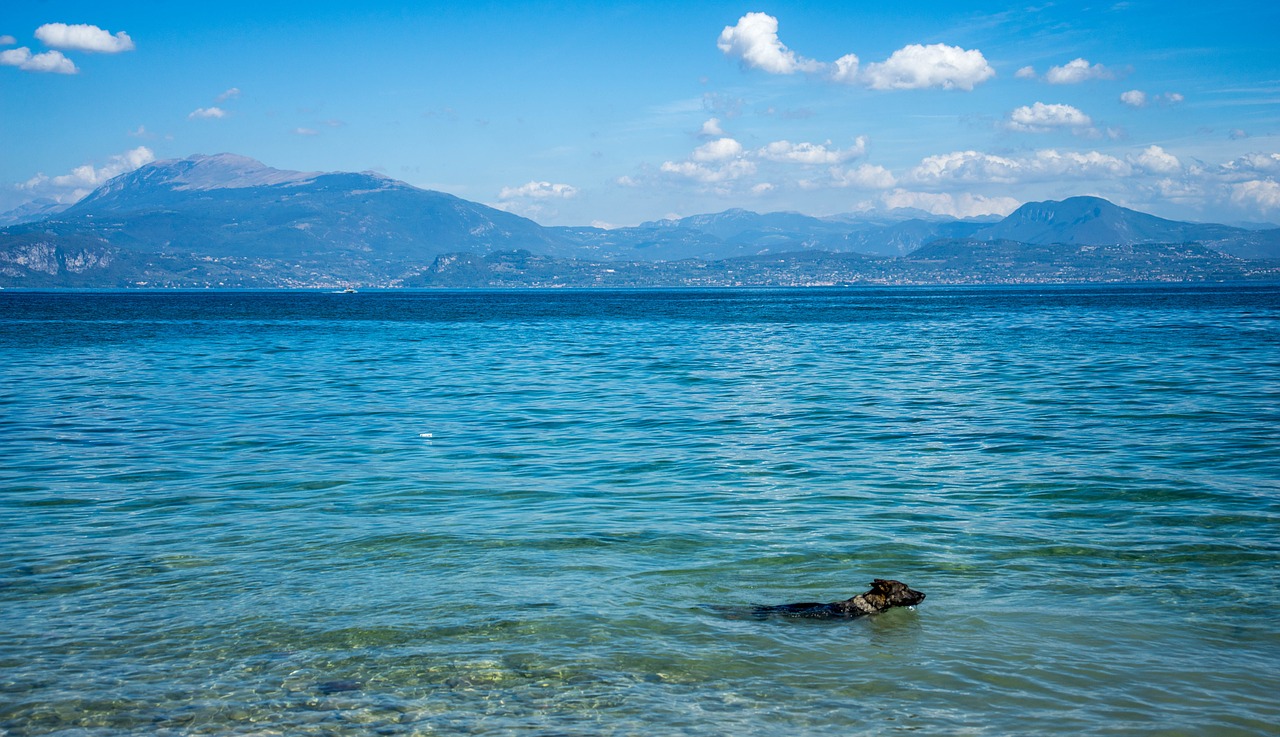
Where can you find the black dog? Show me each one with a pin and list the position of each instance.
(884, 595)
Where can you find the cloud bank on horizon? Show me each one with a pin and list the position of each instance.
(969, 115)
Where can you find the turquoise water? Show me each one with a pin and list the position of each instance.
(525, 512)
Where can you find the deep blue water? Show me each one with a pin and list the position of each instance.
(537, 513)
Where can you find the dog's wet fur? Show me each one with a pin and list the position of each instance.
(884, 595)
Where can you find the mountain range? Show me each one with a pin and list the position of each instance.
(230, 221)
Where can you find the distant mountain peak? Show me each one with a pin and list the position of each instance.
(198, 172)
(224, 171)
(1096, 221)
(1070, 210)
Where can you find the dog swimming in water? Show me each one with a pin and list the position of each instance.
(884, 595)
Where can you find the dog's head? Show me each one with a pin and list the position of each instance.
(885, 594)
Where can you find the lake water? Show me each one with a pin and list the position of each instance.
(542, 513)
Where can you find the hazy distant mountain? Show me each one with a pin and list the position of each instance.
(738, 233)
(32, 211)
(229, 220)
(227, 205)
(1004, 261)
(1095, 221)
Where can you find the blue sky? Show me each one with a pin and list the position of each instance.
(576, 113)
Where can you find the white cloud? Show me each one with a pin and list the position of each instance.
(1025, 73)
(966, 166)
(1040, 118)
(957, 205)
(1053, 164)
(82, 180)
(845, 69)
(1157, 161)
(305, 132)
(811, 153)
(762, 188)
(1253, 164)
(230, 94)
(52, 62)
(539, 191)
(83, 37)
(1138, 98)
(866, 176)
(1045, 164)
(202, 113)
(754, 42)
(721, 149)
(711, 129)
(936, 65)
(1261, 193)
(1134, 98)
(710, 175)
(725, 160)
(1077, 71)
(8, 40)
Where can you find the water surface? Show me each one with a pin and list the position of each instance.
(524, 512)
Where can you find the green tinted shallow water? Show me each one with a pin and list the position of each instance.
(526, 513)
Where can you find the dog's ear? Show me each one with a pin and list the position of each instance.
(880, 584)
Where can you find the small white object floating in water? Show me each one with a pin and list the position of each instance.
(424, 435)
(348, 290)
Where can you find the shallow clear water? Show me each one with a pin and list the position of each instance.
(543, 512)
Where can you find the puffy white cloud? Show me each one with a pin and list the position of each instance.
(845, 69)
(539, 191)
(1045, 164)
(1253, 164)
(811, 153)
(1138, 98)
(83, 37)
(936, 65)
(711, 129)
(1039, 118)
(1025, 73)
(52, 62)
(704, 174)
(8, 40)
(721, 149)
(956, 205)
(204, 113)
(1156, 160)
(762, 188)
(1134, 98)
(866, 176)
(754, 42)
(1077, 71)
(966, 166)
(82, 180)
(1263, 194)
(724, 161)
(1053, 164)
(230, 94)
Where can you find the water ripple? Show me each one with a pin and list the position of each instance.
(535, 513)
